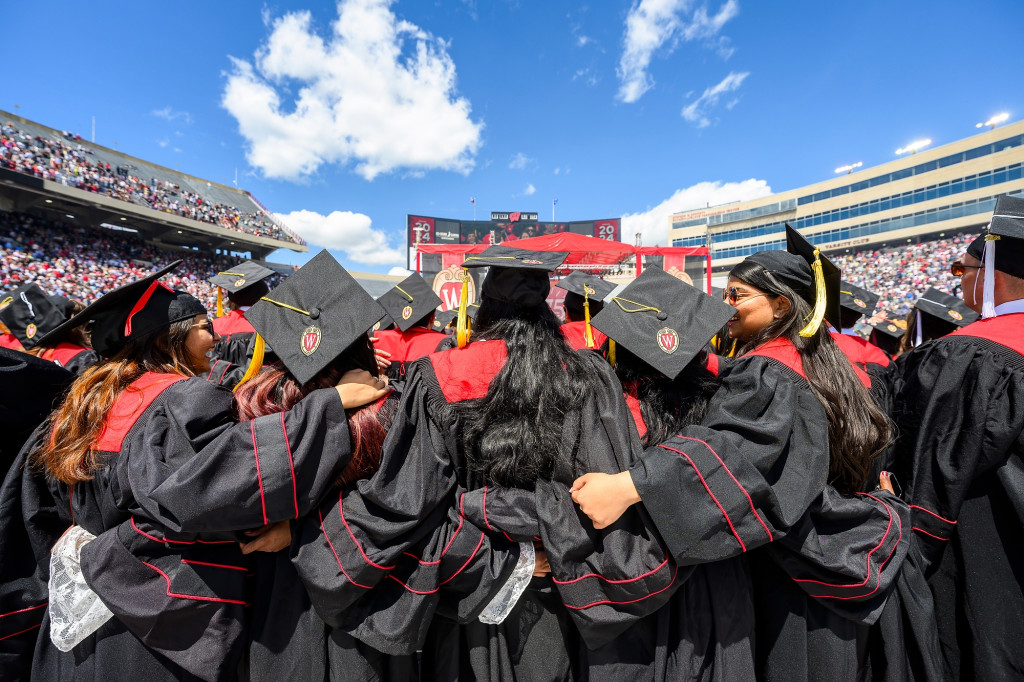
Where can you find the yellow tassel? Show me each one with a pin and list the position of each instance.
(220, 302)
(820, 299)
(462, 330)
(611, 352)
(589, 333)
(732, 350)
(255, 365)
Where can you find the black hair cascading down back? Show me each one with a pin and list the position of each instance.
(513, 435)
(858, 431)
(667, 405)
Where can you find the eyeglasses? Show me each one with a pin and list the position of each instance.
(732, 295)
(205, 326)
(957, 268)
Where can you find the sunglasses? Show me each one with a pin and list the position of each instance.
(732, 295)
(957, 269)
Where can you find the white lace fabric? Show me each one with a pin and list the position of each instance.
(501, 605)
(75, 610)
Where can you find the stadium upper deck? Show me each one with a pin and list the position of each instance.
(943, 191)
(61, 176)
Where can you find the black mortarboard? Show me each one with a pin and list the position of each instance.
(241, 276)
(384, 323)
(1008, 224)
(409, 301)
(64, 303)
(596, 288)
(886, 335)
(797, 244)
(516, 276)
(30, 315)
(857, 299)
(472, 309)
(662, 320)
(132, 312)
(443, 318)
(944, 307)
(312, 317)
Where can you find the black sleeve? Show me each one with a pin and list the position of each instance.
(846, 552)
(746, 474)
(191, 468)
(83, 361)
(959, 409)
(29, 526)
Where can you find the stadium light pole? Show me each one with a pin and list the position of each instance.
(994, 121)
(849, 168)
(914, 147)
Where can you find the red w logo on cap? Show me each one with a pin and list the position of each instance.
(668, 339)
(310, 340)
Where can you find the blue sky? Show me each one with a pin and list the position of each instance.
(344, 117)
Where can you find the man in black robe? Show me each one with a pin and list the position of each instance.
(959, 406)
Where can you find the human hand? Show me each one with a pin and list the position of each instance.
(271, 538)
(357, 387)
(381, 356)
(604, 497)
(884, 483)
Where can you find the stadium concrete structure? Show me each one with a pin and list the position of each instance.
(20, 192)
(935, 193)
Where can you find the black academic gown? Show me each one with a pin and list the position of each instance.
(959, 406)
(179, 479)
(819, 564)
(411, 518)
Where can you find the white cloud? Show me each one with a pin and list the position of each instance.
(519, 162)
(164, 142)
(345, 231)
(529, 191)
(697, 110)
(375, 90)
(654, 24)
(557, 171)
(652, 224)
(169, 114)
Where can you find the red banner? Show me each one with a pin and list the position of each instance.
(607, 229)
(421, 230)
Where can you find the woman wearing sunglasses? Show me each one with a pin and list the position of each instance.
(778, 460)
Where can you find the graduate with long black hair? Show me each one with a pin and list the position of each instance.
(778, 459)
(514, 409)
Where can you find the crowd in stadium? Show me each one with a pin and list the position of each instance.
(900, 274)
(68, 163)
(82, 263)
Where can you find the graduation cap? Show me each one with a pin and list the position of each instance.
(443, 318)
(857, 299)
(887, 335)
(132, 312)
(813, 276)
(1007, 230)
(409, 301)
(30, 314)
(586, 287)
(312, 317)
(662, 320)
(240, 278)
(944, 307)
(383, 323)
(517, 276)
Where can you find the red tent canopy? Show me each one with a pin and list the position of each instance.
(581, 248)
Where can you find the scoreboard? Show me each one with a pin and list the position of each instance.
(501, 228)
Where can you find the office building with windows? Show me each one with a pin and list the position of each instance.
(934, 193)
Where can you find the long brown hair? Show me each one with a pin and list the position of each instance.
(275, 390)
(858, 431)
(68, 455)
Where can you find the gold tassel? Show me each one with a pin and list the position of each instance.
(462, 330)
(820, 299)
(255, 365)
(589, 333)
(732, 350)
(611, 352)
(220, 302)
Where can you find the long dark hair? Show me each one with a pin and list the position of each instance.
(275, 390)
(69, 455)
(857, 429)
(666, 405)
(513, 435)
